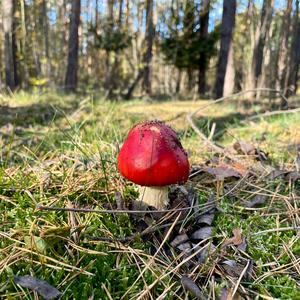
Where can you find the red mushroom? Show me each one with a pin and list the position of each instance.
(153, 157)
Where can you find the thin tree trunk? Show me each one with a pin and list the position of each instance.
(14, 47)
(178, 82)
(258, 54)
(9, 45)
(228, 23)
(230, 74)
(149, 43)
(46, 37)
(144, 72)
(204, 18)
(284, 47)
(249, 74)
(71, 75)
(295, 55)
(109, 76)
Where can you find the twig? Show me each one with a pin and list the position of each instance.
(207, 140)
(277, 230)
(189, 117)
(273, 113)
(237, 95)
(240, 278)
(115, 211)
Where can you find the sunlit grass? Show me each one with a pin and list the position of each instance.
(69, 155)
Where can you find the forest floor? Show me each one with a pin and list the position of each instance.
(241, 241)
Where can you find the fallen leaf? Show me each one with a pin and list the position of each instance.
(244, 148)
(192, 287)
(179, 239)
(205, 252)
(257, 199)
(240, 168)
(42, 287)
(226, 294)
(235, 269)
(206, 218)
(292, 176)
(276, 174)
(222, 171)
(202, 233)
(243, 245)
(36, 243)
(185, 247)
(236, 240)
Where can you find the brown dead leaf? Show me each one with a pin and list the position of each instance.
(192, 287)
(236, 240)
(222, 171)
(240, 168)
(226, 294)
(244, 148)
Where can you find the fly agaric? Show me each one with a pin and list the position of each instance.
(153, 157)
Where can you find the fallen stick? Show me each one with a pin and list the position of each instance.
(273, 113)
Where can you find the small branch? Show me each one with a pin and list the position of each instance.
(237, 95)
(273, 113)
(206, 139)
(116, 211)
(277, 230)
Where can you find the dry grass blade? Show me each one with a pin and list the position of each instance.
(153, 257)
(240, 278)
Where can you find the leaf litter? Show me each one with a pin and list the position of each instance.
(186, 241)
(42, 287)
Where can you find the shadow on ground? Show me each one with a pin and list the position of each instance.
(25, 116)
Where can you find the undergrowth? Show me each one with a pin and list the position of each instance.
(61, 151)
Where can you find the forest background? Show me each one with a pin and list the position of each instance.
(158, 48)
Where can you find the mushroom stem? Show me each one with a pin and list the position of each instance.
(156, 196)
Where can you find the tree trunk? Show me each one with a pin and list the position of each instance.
(149, 43)
(284, 46)
(178, 82)
(109, 69)
(204, 18)
(71, 75)
(9, 44)
(46, 37)
(258, 54)
(228, 23)
(230, 74)
(295, 55)
(248, 83)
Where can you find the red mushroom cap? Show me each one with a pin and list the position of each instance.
(152, 155)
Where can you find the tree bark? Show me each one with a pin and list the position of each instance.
(9, 44)
(204, 19)
(228, 23)
(284, 47)
(149, 43)
(258, 54)
(295, 55)
(71, 74)
(230, 74)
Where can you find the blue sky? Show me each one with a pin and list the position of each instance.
(215, 13)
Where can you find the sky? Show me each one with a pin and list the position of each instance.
(215, 13)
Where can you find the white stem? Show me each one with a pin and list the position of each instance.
(156, 196)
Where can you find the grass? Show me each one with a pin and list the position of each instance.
(61, 150)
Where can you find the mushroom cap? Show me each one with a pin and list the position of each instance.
(152, 155)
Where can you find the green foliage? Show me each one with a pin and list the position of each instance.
(111, 37)
(181, 43)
